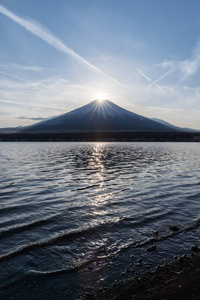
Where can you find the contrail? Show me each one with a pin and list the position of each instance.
(51, 39)
(157, 80)
(161, 77)
(145, 76)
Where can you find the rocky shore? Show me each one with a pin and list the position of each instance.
(178, 280)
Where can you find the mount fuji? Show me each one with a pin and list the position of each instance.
(98, 116)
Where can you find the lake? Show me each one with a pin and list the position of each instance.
(78, 216)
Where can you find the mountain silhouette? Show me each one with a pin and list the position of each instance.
(100, 116)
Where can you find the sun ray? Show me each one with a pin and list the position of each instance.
(100, 96)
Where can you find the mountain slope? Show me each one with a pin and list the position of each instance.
(174, 127)
(100, 116)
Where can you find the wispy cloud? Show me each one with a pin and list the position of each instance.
(29, 118)
(187, 67)
(17, 77)
(29, 81)
(39, 31)
(22, 67)
(190, 66)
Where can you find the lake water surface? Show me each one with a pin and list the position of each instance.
(77, 216)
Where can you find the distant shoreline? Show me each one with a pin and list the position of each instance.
(100, 137)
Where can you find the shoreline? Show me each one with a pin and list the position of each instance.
(121, 136)
(177, 280)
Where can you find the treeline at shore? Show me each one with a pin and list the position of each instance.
(101, 136)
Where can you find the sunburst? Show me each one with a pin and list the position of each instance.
(100, 96)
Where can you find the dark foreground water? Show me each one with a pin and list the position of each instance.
(76, 216)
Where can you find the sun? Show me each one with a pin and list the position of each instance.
(100, 96)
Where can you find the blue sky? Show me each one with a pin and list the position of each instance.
(144, 55)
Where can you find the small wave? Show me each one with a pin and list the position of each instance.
(27, 226)
(59, 238)
(194, 196)
(63, 270)
(87, 187)
(13, 208)
(7, 194)
(98, 229)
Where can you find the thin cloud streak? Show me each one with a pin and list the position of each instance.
(52, 40)
(161, 77)
(34, 119)
(29, 81)
(11, 102)
(145, 76)
(22, 67)
(17, 77)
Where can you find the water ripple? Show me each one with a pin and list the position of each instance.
(75, 209)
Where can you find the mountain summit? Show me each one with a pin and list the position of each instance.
(100, 116)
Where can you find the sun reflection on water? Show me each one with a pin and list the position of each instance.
(97, 155)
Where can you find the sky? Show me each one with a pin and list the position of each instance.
(56, 56)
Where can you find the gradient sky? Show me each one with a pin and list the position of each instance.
(57, 55)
